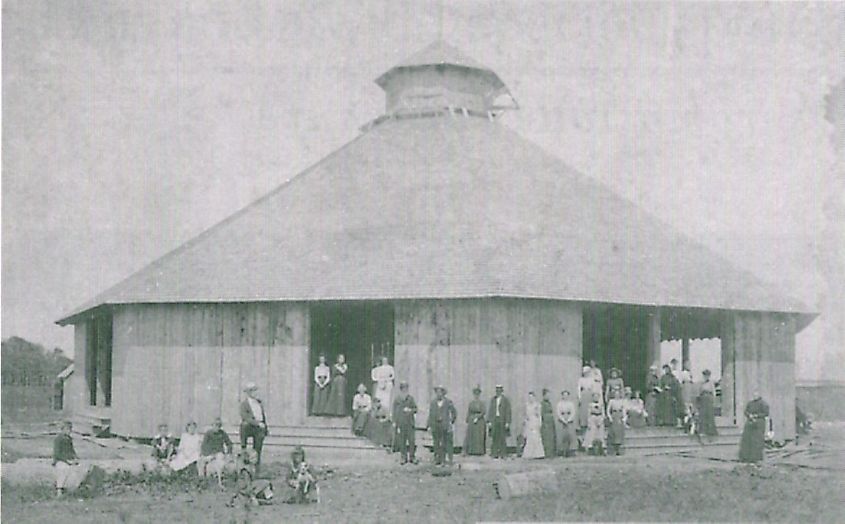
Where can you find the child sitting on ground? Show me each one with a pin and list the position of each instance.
(216, 446)
(68, 472)
(164, 445)
(250, 492)
(300, 479)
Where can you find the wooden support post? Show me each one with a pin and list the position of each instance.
(653, 343)
(684, 349)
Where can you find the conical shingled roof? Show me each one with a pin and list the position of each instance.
(444, 207)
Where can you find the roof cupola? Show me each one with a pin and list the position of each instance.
(440, 78)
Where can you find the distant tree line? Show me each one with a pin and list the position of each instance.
(25, 363)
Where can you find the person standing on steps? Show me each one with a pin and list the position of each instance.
(253, 422)
(383, 377)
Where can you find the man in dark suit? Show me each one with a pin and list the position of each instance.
(499, 422)
(253, 422)
(404, 421)
(441, 422)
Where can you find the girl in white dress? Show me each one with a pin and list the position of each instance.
(188, 451)
(531, 429)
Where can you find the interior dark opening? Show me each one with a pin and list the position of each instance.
(362, 331)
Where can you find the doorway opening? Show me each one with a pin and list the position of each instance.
(363, 332)
(617, 336)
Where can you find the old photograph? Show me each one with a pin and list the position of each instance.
(422, 261)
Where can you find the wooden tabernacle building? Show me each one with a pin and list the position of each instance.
(439, 238)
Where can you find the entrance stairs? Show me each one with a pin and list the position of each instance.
(327, 433)
(662, 440)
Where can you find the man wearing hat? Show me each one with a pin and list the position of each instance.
(253, 421)
(441, 422)
(404, 422)
(499, 421)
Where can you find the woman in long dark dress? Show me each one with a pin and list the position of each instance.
(666, 398)
(547, 426)
(475, 442)
(336, 404)
(706, 413)
(754, 432)
(652, 383)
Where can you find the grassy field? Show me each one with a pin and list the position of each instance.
(601, 489)
(661, 488)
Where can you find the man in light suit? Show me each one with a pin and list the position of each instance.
(253, 422)
(499, 422)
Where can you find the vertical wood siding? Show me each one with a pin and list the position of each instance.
(764, 348)
(522, 344)
(181, 362)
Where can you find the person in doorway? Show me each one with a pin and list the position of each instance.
(614, 384)
(688, 394)
(404, 422)
(706, 412)
(673, 367)
(635, 409)
(253, 421)
(320, 397)
(531, 429)
(547, 426)
(586, 387)
(383, 377)
(754, 433)
(188, 452)
(667, 398)
(652, 390)
(475, 441)
(616, 416)
(499, 422)
(597, 376)
(361, 405)
(441, 422)
(567, 438)
(336, 403)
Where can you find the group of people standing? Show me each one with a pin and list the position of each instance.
(329, 397)
(676, 399)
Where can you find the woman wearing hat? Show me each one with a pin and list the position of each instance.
(705, 400)
(667, 398)
(475, 442)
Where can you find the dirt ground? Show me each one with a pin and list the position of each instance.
(589, 488)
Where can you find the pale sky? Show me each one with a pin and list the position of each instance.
(130, 127)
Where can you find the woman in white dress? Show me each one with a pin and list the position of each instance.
(383, 376)
(531, 429)
(586, 386)
(188, 451)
